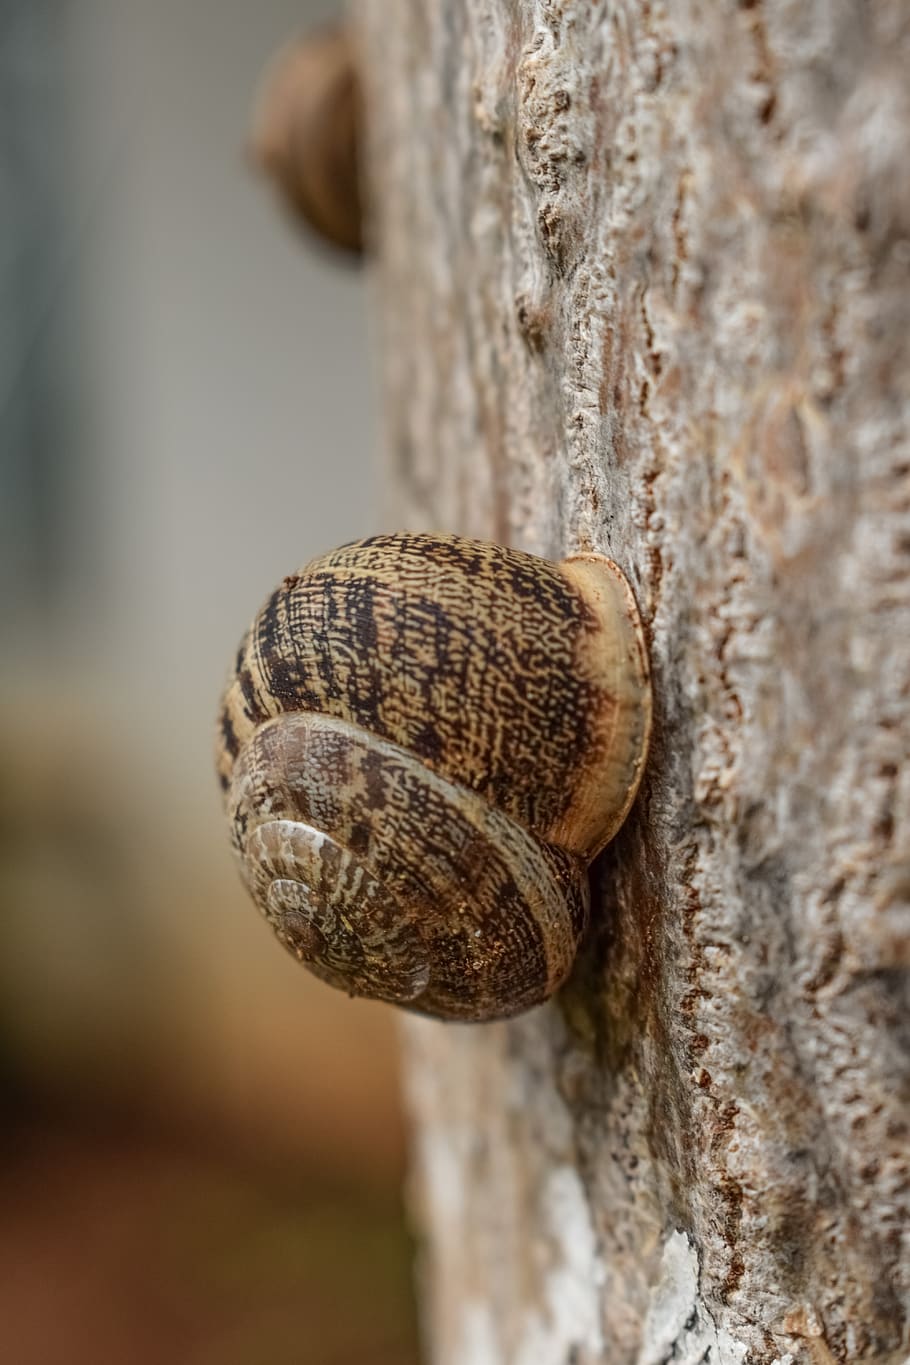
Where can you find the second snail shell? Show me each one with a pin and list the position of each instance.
(424, 742)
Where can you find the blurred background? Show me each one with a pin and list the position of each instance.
(202, 1145)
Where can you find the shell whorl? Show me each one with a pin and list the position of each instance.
(407, 887)
(424, 742)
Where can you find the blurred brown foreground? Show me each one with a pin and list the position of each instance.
(202, 1147)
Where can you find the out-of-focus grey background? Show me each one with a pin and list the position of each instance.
(185, 417)
(185, 393)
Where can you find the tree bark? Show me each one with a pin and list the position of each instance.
(642, 277)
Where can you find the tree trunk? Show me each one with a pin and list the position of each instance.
(642, 275)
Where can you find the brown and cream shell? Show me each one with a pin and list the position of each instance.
(306, 134)
(424, 743)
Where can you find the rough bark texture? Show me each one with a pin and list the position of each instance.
(643, 283)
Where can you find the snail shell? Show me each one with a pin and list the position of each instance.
(306, 134)
(424, 743)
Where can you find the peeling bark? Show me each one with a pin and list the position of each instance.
(643, 287)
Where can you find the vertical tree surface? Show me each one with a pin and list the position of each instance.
(643, 287)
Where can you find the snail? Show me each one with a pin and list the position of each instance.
(306, 134)
(424, 742)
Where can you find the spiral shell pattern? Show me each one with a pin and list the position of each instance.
(424, 741)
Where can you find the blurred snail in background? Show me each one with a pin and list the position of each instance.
(306, 132)
(424, 743)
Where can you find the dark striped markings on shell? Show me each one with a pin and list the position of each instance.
(424, 742)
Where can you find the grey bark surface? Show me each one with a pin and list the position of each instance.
(642, 285)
